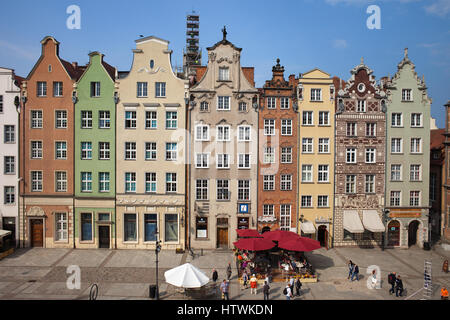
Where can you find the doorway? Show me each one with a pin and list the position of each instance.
(265, 229)
(37, 233)
(412, 233)
(322, 236)
(103, 237)
(9, 224)
(393, 234)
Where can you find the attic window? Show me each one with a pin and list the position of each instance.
(49, 68)
(224, 74)
(152, 64)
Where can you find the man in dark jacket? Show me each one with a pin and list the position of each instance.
(215, 276)
(266, 289)
(391, 281)
(298, 286)
(398, 287)
(229, 271)
(355, 273)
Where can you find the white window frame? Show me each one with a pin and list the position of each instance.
(286, 127)
(396, 171)
(350, 155)
(416, 145)
(222, 161)
(171, 151)
(307, 118)
(152, 148)
(395, 198)
(60, 181)
(371, 155)
(286, 182)
(223, 103)
(104, 119)
(61, 119)
(286, 153)
(324, 145)
(269, 155)
(141, 89)
(204, 160)
(271, 102)
(223, 133)
(242, 161)
(245, 132)
(324, 115)
(269, 127)
(269, 182)
(316, 94)
(307, 145)
(397, 148)
(202, 137)
(307, 172)
(323, 171)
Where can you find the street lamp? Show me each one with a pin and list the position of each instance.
(385, 216)
(157, 250)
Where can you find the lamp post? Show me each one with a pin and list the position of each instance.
(157, 250)
(385, 214)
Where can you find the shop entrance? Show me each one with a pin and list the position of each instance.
(37, 233)
(222, 233)
(394, 234)
(103, 237)
(412, 233)
(322, 236)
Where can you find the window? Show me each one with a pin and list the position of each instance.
(306, 202)
(201, 225)
(130, 182)
(370, 183)
(269, 155)
(86, 119)
(433, 186)
(61, 150)
(224, 74)
(416, 120)
(103, 181)
(9, 165)
(371, 155)
(286, 127)
(323, 173)
(223, 103)
(201, 189)
(202, 160)
(244, 133)
(36, 119)
(396, 145)
(204, 106)
(268, 210)
(36, 181)
(414, 172)
(414, 198)
(160, 89)
(269, 127)
(407, 95)
(171, 120)
(361, 106)
(86, 181)
(1, 103)
(104, 119)
(395, 198)
(104, 217)
(61, 181)
(41, 89)
(171, 151)
(286, 155)
(324, 145)
(171, 182)
(286, 182)
(61, 119)
(371, 129)
(9, 134)
(60, 226)
(223, 133)
(151, 120)
(307, 118)
(285, 217)
(350, 155)
(223, 191)
(103, 151)
(202, 132)
(269, 182)
(130, 119)
(322, 201)
(307, 145)
(284, 102)
(9, 195)
(36, 149)
(396, 172)
(171, 228)
(150, 182)
(57, 89)
(351, 129)
(86, 151)
(150, 226)
(350, 184)
(244, 190)
(271, 102)
(307, 173)
(316, 94)
(324, 118)
(150, 151)
(243, 161)
(129, 227)
(416, 145)
(95, 89)
(397, 120)
(223, 161)
(142, 89)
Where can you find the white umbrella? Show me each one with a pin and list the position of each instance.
(186, 276)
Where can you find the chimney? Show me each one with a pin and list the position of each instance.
(75, 65)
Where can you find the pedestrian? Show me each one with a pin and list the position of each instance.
(350, 265)
(253, 284)
(224, 287)
(374, 279)
(391, 280)
(266, 289)
(215, 276)
(267, 278)
(444, 293)
(229, 271)
(398, 286)
(298, 286)
(445, 266)
(287, 292)
(245, 279)
(355, 273)
(291, 284)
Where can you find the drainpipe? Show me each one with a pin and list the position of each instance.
(74, 101)
(116, 102)
(17, 104)
(385, 211)
(24, 100)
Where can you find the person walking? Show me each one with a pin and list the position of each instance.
(291, 284)
(224, 287)
(253, 284)
(215, 276)
(298, 286)
(287, 292)
(350, 266)
(355, 273)
(266, 289)
(245, 279)
(398, 286)
(444, 293)
(391, 280)
(229, 271)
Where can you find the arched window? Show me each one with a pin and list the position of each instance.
(152, 64)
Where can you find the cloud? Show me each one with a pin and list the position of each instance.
(439, 7)
(27, 54)
(340, 43)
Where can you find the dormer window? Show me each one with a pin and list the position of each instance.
(152, 64)
(224, 74)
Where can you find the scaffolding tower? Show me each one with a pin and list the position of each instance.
(192, 55)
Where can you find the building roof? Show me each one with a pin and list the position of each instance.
(437, 139)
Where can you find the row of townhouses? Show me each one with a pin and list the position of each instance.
(93, 157)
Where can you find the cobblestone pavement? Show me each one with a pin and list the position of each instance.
(126, 274)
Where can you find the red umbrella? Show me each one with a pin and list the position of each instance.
(280, 235)
(299, 244)
(254, 244)
(248, 233)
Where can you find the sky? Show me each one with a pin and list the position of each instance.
(304, 34)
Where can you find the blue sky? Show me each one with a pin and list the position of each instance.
(328, 34)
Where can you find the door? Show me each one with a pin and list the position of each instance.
(9, 224)
(103, 237)
(394, 234)
(222, 237)
(322, 236)
(412, 233)
(37, 233)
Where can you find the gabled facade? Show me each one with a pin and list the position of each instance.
(95, 154)
(360, 160)
(408, 157)
(223, 121)
(316, 155)
(150, 150)
(446, 211)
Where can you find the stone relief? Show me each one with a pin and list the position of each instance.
(150, 71)
(359, 202)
